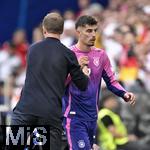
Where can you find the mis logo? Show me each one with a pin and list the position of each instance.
(24, 136)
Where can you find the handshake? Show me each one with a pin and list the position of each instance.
(83, 62)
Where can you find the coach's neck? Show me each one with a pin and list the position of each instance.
(52, 35)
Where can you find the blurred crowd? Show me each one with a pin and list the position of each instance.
(124, 33)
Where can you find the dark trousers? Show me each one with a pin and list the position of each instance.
(64, 145)
(52, 138)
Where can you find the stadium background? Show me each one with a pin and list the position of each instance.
(124, 33)
(20, 13)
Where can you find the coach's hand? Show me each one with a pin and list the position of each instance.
(129, 97)
(86, 70)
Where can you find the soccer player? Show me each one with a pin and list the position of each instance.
(81, 107)
(49, 63)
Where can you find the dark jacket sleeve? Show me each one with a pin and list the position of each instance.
(77, 76)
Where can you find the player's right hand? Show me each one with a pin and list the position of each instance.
(83, 60)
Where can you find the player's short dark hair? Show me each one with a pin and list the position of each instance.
(85, 20)
(53, 23)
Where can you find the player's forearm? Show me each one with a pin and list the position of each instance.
(112, 84)
(117, 89)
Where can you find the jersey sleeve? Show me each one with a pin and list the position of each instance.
(109, 77)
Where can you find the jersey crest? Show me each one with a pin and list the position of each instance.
(96, 61)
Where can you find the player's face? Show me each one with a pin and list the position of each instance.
(88, 34)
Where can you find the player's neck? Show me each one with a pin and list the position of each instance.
(83, 47)
(53, 35)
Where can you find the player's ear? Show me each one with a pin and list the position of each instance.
(78, 31)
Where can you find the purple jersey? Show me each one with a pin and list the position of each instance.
(83, 104)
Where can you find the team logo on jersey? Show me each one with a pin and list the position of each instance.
(81, 143)
(96, 61)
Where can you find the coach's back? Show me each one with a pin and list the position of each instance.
(48, 64)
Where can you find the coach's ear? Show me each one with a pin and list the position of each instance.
(44, 30)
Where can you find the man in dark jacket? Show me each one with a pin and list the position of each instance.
(48, 64)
